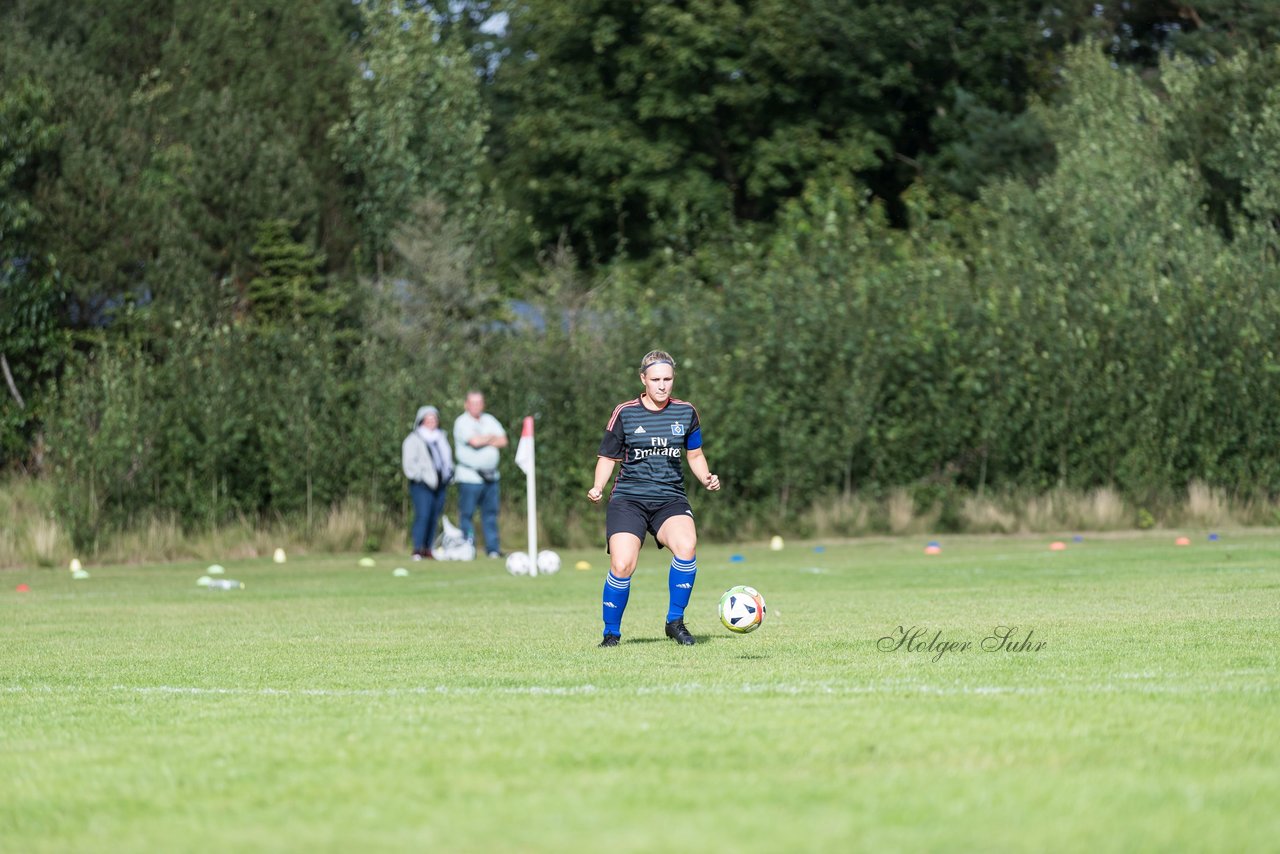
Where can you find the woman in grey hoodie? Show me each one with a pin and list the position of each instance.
(427, 460)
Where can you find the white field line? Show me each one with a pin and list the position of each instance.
(1127, 684)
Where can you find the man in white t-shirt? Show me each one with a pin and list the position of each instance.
(477, 438)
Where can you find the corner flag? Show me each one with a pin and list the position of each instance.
(524, 450)
(524, 459)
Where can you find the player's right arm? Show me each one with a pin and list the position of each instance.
(612, 449)
(604, 471)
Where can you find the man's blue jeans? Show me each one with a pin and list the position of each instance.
(484, 496)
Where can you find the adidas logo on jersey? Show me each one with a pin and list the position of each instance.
(640, 429)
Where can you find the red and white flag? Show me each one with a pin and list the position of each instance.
(524, 459)
(524, 450)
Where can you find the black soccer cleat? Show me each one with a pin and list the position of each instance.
(678, 633)
(610, 640)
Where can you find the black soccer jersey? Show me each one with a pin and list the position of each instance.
(651, 447)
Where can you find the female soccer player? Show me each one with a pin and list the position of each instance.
(649, 435)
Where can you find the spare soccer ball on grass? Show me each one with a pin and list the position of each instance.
(518, 563)
(742, 609)
(548, 562)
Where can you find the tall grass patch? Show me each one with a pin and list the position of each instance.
(30, 533)
(35, 537)
(1207, 505)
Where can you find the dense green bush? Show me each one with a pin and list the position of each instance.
(1095, 329)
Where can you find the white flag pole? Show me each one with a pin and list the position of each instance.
(525, 460)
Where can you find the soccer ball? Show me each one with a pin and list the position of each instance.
(742, 609)
(518, 563)
(548, 562)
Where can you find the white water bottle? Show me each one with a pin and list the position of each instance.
(225, 584)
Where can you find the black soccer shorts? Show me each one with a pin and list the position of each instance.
(637, 516)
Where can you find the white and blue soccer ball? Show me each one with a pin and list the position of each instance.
(742, 609)
(518, 563)
(548, 562)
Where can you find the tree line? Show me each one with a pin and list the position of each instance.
(890, 243)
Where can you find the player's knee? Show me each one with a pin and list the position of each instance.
(622, 568)
(685, 549)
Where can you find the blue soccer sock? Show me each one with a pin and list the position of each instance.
(616, 592)
(680, 584)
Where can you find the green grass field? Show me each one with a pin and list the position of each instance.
(328, 707)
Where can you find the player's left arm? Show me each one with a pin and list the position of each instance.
(702, 470)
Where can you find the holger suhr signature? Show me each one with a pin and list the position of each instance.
(919, 639)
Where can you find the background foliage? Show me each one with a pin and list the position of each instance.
(892, 245)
